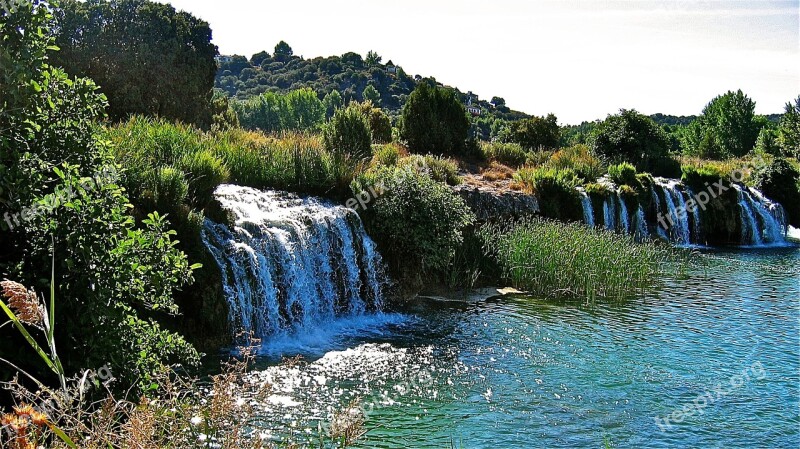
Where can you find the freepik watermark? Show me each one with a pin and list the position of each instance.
(719, 391)
(702, 198)
(61, 196)
(365, 197)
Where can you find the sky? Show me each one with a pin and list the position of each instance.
(580, 60)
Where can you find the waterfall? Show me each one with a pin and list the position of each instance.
(762, 221)
(623, 215)
(588, 211)
(290, 263)
(696, 228)
(641, 225)
(676, 210)
(610, 212)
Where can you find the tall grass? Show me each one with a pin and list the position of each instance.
(568, 260)
(510, 154)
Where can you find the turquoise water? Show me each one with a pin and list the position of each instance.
(722, 344)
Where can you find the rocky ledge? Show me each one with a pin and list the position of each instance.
(492, 204)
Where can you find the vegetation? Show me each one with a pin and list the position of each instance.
(348, 134)
(630, 137)
(297, 110)
(510, 154)
(780, 181)
(623, 174)
(167, 55)
(417, 222)
(726, 128)
(114, 279)
(434, 121)
(555, 189)
(535, 133)
(552, 259)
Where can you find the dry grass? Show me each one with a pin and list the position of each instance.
(497, 172)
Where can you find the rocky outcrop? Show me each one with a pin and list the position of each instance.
(492, 204)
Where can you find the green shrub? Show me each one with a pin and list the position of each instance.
(666, 167)
(554, 259)
(167, 188)
(698, 176)
(596, 189)
(623, 174)
(388, 154)
(434, 121)
(580, 160)
(417, 222)
(555, 190)
(511, 154)
(204, 172)
(348, 133)
(780, 181)
(440, 169)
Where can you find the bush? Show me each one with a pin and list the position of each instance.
(697, 176)
(666, 167)
(434, 121)
(204, 172)
(348, 133)
(510, 154)
(623, 174)
(553, 259)
(580, 160)
(388, 154)
(379, 123)
(630, 137)
(780, 181)
(417, 222)
(555, 189)
(439, 169)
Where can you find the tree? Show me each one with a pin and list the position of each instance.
(630, 137)
(373, 58)
(372, 95)
(304, 110)
(59, 181)
(348, 134)
(283, 51)
(536, 132)
(727, 127)
(332, 101)
(434, 121)
(168, 58)
(498, 101)
(380, 125)
(789, 130)
(767, 142)
(259, 58)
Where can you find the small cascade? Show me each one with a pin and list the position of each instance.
(588, 210)
(695, 214)
(610, 212)
(624, 221)
(292, 263)
(762, 221)
(641, 225)
(676, 216)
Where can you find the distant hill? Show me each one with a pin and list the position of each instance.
(350, 73)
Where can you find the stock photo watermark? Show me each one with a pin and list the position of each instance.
(61, 196)
(718, 392)
(702, 198)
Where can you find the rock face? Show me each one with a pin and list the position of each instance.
(490, 204)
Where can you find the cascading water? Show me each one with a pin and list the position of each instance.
(610, 212)
(291, 264)
(762, 221)
(678, 221)
(588, 210)
(624, 221)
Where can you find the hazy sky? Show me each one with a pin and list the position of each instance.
(578, 59)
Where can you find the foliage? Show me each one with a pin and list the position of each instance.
(348, 133)
(167, 55)
(371, 95)
(296, 110)
(434, 121)
(579, 159)
(438, 168)
(332, 102)
(767, 142)
(380, 125)
(553, 259)
(535, 133)
(114, 278)
(727, 127)
(555, 190)
(780, 181)
(417, 222)
(511, 154)
(623, 174)
(630, 137)
(789, 130)
(388, 154)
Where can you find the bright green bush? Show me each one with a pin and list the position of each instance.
(204, 171)
(511, 154)
(552, 259)
(417, 222)
(623, 174)
(555, 190)
(388, 154)
(440, 169)
(348, 133)
(579, 159)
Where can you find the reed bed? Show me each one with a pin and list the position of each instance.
(568, 260)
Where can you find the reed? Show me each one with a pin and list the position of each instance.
(568, 260)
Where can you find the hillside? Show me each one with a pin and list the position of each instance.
(350, 74)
